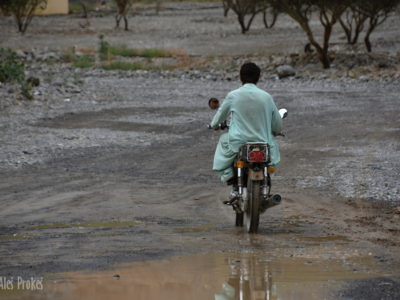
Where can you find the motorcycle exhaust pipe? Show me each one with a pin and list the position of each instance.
(272, 201)
(275, 199)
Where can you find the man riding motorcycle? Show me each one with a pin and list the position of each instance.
(253, 117)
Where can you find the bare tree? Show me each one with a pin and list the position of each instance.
(377, 11)
(367, 14)
(243, 8)
(22, 10)
(85, 15)
(158, 7)
(328, 14)
(123, 7)
(352, 21)
(226, 6)
(270, 10)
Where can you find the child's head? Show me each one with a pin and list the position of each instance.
(213, 103)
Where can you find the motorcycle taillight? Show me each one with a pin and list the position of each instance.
(257, 156)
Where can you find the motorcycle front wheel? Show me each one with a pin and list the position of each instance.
(239, 220)
(252, 212)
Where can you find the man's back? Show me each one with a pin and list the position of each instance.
(254, 118)
(253, 113)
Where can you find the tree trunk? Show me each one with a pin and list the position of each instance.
(324, 59)
(322, 52)
(355, 38)
(158, 7)
(346, 30)
(372, 25)
(368, 42)
(242, 24)
(22, 24)
(250, 21)
(359, 27)
(226, 8)
(126, 23)
(274, 17)
(117, 20)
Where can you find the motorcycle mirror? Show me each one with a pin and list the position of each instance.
(213, 103)
(283, 112)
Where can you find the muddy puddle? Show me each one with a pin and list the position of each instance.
(211, 276)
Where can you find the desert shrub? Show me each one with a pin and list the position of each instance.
(129, 52)
(107, 51)
(67, 58)
(104, 48)
(352, 21)
(121, 65)
(123, 7)
(376, 11)
(26, 90)
(109, 54)
(365, 14)
(22, 10)
(84, 61)
(328, 13)
(272, 11)
(353, 16)
(12, 69)
(245, 10)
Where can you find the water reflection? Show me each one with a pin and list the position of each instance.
(248, 279)
(312, 276)
(233, 276)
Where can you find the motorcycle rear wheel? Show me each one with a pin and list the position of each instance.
(252, 212)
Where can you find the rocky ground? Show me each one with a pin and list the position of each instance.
(110, 166)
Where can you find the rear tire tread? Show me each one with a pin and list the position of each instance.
(253, 209)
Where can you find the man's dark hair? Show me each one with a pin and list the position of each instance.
(250, 73)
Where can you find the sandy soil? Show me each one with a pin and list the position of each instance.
(116, 168)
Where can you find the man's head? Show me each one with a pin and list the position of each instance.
(250, 73)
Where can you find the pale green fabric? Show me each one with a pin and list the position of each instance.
(254, 117)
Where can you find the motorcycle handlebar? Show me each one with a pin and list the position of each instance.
(221, 126)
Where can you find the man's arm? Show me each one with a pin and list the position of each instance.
(223, 112)
(276, 123)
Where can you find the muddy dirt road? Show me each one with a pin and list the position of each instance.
(152, 195)
(115, 177)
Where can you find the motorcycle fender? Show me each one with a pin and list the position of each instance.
(256, 175)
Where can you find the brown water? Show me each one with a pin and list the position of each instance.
(211, 276)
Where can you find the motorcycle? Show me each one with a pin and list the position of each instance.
(253, 171)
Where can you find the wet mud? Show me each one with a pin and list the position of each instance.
(118, 180)
(153, 196)
(222, 276)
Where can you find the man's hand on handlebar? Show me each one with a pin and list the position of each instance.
(215, 128)
(221, 126)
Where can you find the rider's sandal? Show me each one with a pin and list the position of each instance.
(232, 198)
(229, 202)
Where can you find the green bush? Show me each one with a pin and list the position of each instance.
(128, 52)
(11, 67)
(22, 10)
(125, 66)
(85, 61)
(68, 58)
(26, 90)
(104, 49)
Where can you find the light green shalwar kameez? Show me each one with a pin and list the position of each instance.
(254, 118)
